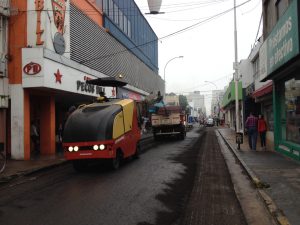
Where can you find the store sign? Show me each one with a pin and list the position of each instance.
(88, 88)
(229, 95)
(39, 7)
(32, 68)
(283, 42)
(122, 93)
(59, 10)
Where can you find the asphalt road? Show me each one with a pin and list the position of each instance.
(130, 195)
(175, 182)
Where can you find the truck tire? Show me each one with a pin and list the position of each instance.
(182, 134)
(137, 151)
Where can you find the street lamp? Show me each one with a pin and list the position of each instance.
(236, 79)
(236, 84)
(177, 57)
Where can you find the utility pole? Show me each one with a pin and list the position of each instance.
(236, 83)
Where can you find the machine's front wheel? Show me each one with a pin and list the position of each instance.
(115, 162)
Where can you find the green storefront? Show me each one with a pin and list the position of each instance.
(228, 102)
(280, 62)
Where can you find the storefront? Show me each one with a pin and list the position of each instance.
(264, 97)
(282, 65)
(50, 86)
(46, 84)
(228, 105)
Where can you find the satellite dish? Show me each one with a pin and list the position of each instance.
(154, 6)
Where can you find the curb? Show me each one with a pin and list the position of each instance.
(9, 178)
(274, 211)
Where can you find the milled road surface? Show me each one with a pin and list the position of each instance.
(175, 182)
(213, 200)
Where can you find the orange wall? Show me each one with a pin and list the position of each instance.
(90, 8)
(17, 40)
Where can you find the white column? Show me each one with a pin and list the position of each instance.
(17, 121)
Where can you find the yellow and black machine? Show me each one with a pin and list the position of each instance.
(102, 130)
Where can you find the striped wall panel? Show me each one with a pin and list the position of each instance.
(92, 46)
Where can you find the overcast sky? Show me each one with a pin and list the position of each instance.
(207, 48)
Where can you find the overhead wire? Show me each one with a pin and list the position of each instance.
(260, 22)
(169, 35)
(181, 5)
(213, 81)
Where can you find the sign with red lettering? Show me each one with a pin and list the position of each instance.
(32, 68)
(59, 10)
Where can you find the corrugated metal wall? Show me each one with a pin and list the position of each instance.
(92, 46)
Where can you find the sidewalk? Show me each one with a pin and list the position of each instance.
(16, 168)
(276, 177)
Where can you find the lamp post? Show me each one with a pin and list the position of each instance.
(177, 57)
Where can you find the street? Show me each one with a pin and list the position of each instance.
(175, 182)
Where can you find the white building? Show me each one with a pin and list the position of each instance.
(196, 100)
(171, 99)
(217, 96)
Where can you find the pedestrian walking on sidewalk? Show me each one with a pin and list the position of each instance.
(35, 137)
(251, 125)
(262, 129)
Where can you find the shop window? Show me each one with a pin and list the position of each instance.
(129, 29)
(110, 9)
(269, 116)
(116, 14)
(121, 23)
(256, 68)
(125, 25)
(292, 108)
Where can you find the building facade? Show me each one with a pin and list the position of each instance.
(197, 101)
(4, 93)
(216, 101)
(228, 105)
(280, 58)
(171, 99)
(54, 47)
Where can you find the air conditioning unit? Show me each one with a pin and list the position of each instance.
(4, 92)
(2, 69)
(5, 7)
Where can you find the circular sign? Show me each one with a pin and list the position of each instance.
(59, 43)
(32, 68)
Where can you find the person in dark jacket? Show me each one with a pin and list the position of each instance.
(251, 125)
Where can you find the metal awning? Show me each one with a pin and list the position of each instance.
(107, 82)
(266, 89)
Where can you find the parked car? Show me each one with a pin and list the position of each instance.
(210, 122)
